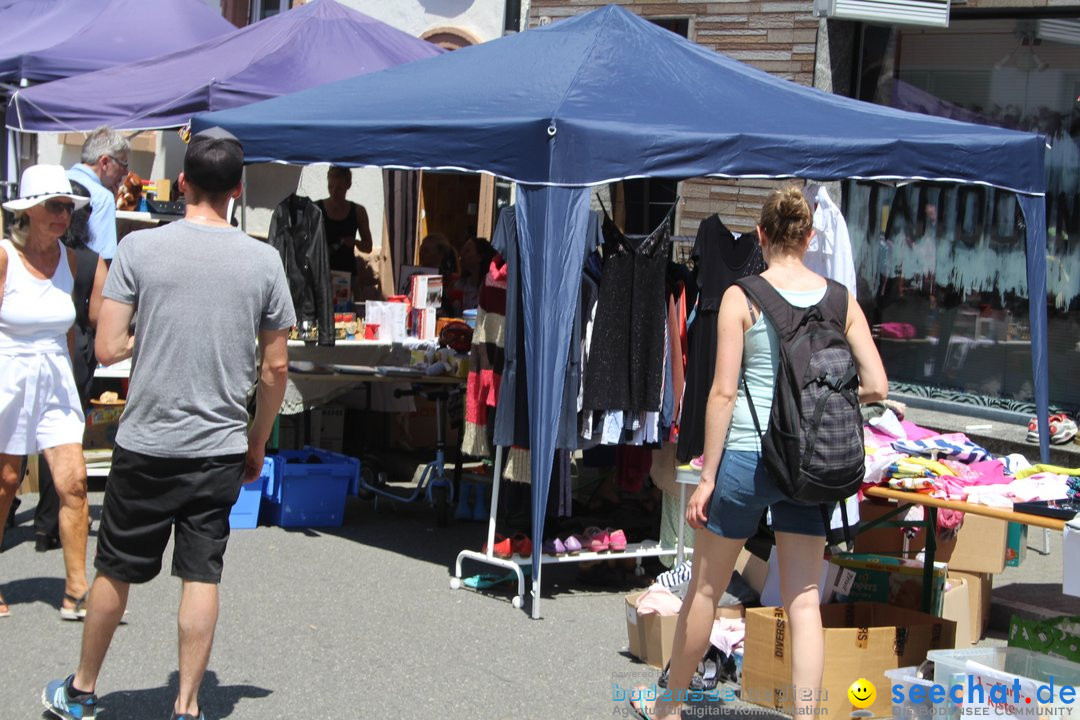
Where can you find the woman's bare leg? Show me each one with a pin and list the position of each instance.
(800, 571)
(69, 476)
(713, 563)
(10, 466)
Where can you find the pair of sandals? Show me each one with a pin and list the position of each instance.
(75, 613)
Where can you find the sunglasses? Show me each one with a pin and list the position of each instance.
(118, 162)
(56, 207)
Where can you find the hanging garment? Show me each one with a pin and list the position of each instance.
(626, 358)
(485, 360)
(720, 259)
(297, 233)
(829, 252)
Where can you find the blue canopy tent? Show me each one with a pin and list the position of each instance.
(320, 42)
(606, 96)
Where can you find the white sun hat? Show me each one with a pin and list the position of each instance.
(43, 182)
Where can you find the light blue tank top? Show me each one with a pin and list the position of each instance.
(761, 355)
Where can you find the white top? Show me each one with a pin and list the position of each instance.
(829, 252)
(36, 313)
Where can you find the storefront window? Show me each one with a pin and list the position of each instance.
(942, 267)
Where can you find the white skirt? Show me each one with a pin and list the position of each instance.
(39, 405)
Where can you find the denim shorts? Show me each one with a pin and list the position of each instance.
(744, 489)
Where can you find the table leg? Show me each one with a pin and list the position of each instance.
(930, 523)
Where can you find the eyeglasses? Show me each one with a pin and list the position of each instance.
(121, 163)
(56, 207)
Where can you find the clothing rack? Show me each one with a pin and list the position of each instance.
(637, 551)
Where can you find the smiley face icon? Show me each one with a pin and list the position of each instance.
(862, 693)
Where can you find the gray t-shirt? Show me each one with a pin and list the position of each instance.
(202, 295)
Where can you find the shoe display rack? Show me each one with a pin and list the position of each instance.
(636, 551)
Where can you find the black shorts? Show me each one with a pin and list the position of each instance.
(146, 497)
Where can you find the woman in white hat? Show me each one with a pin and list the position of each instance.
(40, 409)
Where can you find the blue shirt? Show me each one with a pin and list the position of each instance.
(102, 224)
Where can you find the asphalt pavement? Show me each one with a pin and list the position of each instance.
(355, 622)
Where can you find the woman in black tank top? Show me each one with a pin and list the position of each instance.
(341, 220)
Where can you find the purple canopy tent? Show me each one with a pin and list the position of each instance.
(310, 45)
(46, 40)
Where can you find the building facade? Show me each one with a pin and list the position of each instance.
(941, 266)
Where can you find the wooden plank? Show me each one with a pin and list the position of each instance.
(964, 506)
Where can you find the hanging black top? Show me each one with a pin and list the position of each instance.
(296, 232)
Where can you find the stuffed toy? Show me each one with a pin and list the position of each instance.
(127, 197)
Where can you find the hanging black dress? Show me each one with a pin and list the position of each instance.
(720, 259)
(626, 360)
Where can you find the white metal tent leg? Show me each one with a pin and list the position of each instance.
(489, 556)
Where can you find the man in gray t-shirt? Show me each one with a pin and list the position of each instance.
(210, 301)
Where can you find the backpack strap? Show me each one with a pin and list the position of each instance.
(778, 310)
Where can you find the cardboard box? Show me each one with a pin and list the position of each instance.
(329, 422)
(979, 546)
(390, 317)
(956, 606)
(423, 323)
(1070, 561)
(426, 291)
(980, 588)
(886, 579)
(650, 636)
(862, 640)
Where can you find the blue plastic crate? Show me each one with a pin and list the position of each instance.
(301, 494)
(329, 456)
(245, 511)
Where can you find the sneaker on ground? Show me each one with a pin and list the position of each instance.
(57, 699)
(178, 716)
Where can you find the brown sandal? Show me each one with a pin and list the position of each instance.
(5, 611)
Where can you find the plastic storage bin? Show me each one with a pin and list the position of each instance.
(906, 678)
(950, 668)
(302, 494)
(329, 456)
(245, 511)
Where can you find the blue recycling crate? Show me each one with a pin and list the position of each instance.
(302, 494)
(245, 511)
(329, 456)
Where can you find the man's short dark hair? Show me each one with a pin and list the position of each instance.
(214, 161)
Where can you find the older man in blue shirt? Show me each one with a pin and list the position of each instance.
(104, 165)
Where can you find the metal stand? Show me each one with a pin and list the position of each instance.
(637, 551)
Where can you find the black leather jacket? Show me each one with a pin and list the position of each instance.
(296, 232)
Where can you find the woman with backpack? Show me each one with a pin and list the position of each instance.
(735, 487)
